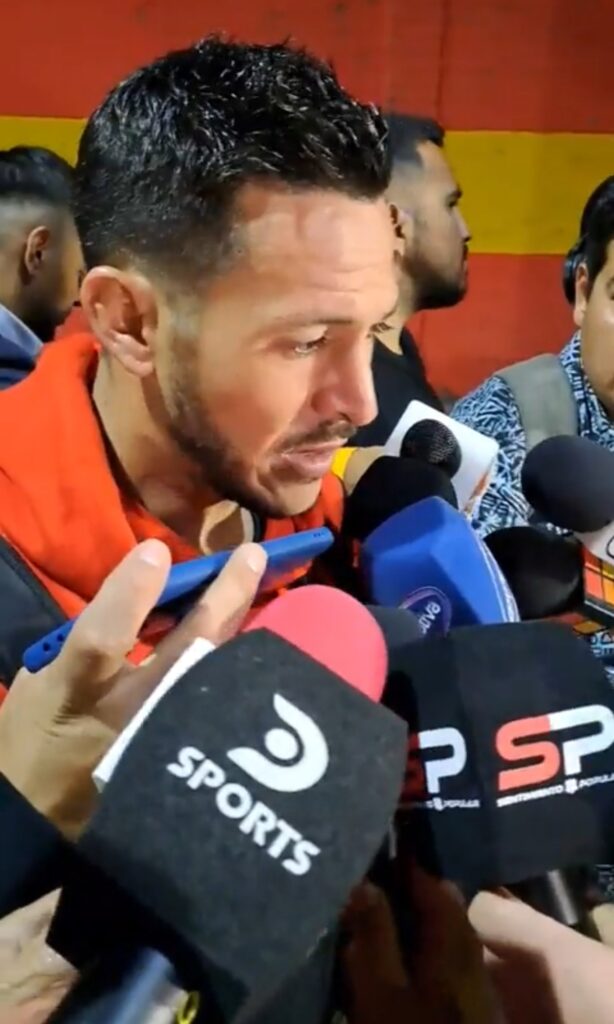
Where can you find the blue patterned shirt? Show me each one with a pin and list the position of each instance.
(491, 409)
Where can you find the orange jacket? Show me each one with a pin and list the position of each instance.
(60, 506)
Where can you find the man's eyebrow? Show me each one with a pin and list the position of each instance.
(310, 319)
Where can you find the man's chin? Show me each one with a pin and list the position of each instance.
(294, 499)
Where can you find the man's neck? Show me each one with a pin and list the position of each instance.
(162, 480)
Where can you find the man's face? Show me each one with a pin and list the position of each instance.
(594, 314)
(273, 374)
(54, 288)
(437, 236)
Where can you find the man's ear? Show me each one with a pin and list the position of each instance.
(35, 249)
(582, 294)
(122, 310)
(403, 227)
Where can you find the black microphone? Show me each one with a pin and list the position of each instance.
(570, 482)
(432, 442)
(543, 569)
(389, 485)
(510, 774)
(229, 846)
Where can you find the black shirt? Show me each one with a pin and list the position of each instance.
(398, 379)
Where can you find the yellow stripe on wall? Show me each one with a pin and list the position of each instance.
(58, 133)
(523, 192)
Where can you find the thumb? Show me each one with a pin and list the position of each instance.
(108, 628)
(508, 927)
(216, 616)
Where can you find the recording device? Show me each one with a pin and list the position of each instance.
(284, 556)
(430, 561)
(228, 835)
(543, 569)
(479, 453)
(389, 485)
(510, 772)
(569, 481)
(433, 442)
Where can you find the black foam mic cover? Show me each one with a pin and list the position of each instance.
(389, 485)
(232, 819)
(511, 766)
(432, 442)
(570, 482)
(543, 569)
(399, 625)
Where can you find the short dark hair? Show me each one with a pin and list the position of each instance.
(35, 174)
(406, 132)
(161, 160)
(597, 227)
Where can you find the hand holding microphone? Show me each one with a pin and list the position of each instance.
(56, 724)
(227, 846)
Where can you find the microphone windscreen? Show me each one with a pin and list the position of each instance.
(354, 647)
(543, 569)
(399, 625)
(569, 481)
(233, 817)
(511, 766)
(427, 558)
(388, 486)
(433, 442)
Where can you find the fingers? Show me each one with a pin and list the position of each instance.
(217, 616)
(221, 609)
(509, 927)
(23, 924)
(109, 627)
(373, 945)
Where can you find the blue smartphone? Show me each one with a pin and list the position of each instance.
(283, 556)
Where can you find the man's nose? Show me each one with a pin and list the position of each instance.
(350, 392)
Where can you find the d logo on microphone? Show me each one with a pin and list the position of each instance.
(234, 801)
(282, 745)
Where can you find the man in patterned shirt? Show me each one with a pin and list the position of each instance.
(587, 363)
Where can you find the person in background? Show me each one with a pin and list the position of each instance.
(41, 264)
(432, 263)
(549, 395)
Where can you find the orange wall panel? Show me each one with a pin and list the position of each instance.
(514, 309)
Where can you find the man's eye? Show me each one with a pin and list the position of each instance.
(305, 348)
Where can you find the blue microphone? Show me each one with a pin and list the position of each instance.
(428, 559)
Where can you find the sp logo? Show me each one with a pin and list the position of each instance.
(310, 756)
(424, 776)
(515, 742)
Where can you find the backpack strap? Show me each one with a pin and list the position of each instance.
(544, 397)
(27, 611)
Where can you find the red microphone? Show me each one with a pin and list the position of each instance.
(335, 630)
